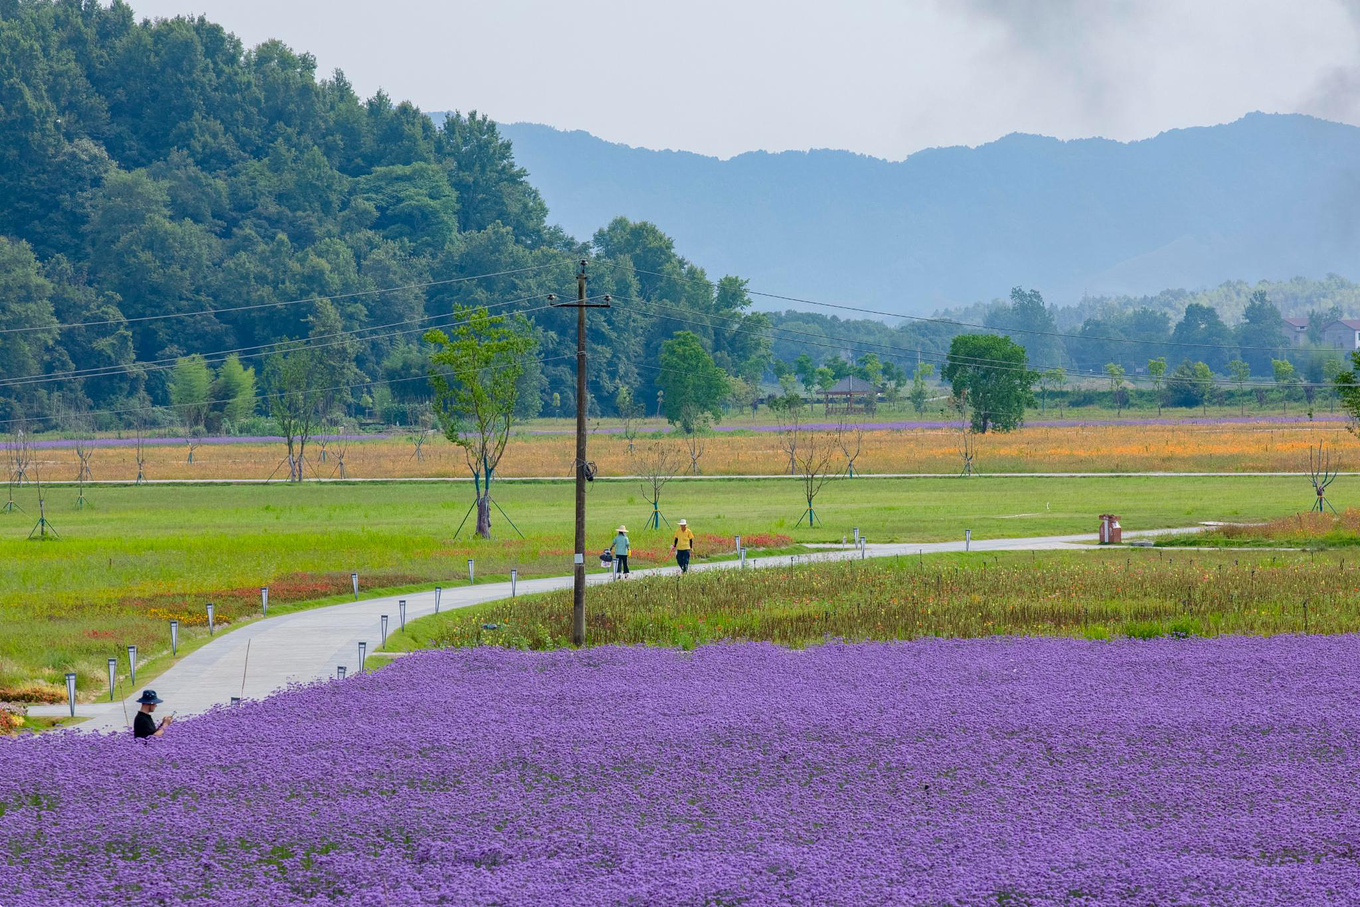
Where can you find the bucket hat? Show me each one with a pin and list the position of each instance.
(149, 696)
(684, 523)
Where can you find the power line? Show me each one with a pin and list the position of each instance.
(266, 305)
(252, 352)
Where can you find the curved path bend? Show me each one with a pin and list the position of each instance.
(309, 645)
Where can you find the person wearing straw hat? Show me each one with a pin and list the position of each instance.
(143, 725)
(620, 549)
(682, 545)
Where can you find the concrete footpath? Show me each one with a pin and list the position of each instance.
(309, 645)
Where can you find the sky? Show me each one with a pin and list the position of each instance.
(883, 78)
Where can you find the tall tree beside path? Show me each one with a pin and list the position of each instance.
(1285, 379)
(475, 373)
(656, 464)
(1157, 371)
(297, 396)
(1115, 372)
(992, 373)
(695, 387)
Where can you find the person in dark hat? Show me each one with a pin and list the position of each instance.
(144, 725)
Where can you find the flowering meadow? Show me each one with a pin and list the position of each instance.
(1223, 446)
(999, 771)
(1092, 594)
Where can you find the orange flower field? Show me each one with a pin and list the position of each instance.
(1253, 447)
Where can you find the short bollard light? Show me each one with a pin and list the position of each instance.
(863, 541)
(264, 600)
(384, 632)
(514, 577)
(967, 539)
(743, 558)
(354, 581)
(363, 652)
(339, 672)
(738, 543)
(401, 613)
(438, 592)
(470, 574)
(113, 676)
(71, 691)
(210, 618)
(132, 664)
(235, 701)
(856, 535)
(174, 637)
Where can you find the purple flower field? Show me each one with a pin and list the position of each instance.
(998, 771)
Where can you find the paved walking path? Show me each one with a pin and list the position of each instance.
(309, 645)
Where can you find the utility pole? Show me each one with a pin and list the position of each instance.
(583, 472)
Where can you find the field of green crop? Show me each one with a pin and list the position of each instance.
(1100, 594)
(139, 556)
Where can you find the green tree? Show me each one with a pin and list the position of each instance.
(695, 387)
(1053, 379)
(1028, 321)
(1285, 379)
(1259, 333)
(297, 395)
(992, 373)
(920, 394)
(1157, 370)
(1202, 333)
(475, 373)
(190, 387)
(1115, 372)
(234, 390)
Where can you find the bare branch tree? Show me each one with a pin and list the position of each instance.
(695, 445)
(789, 407)
(850, 438)
(657, 464)
(817, 455)
(12, 446)
(139, 425)
(1320, 469)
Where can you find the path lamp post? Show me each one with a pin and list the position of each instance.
(113, 673)
(401, 612)
(738, 543)
(438, 592)
(967, 539)
(470, 579)
(363, 651)
(71, 691)
(354, 581)
(863, 540)
(384, 632)
(514, 577)
(132, 664)
(174, 638)
(264, 600)
(210, 618)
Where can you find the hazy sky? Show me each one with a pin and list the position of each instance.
(883, 78)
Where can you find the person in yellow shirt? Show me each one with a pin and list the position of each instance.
(682, 545)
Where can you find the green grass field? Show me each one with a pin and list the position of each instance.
(141, 555)
(1100, 594)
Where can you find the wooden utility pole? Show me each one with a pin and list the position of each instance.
(583, 473)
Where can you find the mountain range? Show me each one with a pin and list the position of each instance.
(1268, 196)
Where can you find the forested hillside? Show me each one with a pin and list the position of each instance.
(165, 191)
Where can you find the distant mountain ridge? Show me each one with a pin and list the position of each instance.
(1266, 197)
